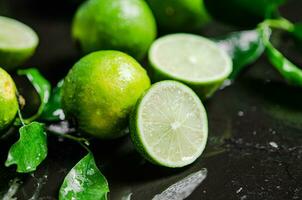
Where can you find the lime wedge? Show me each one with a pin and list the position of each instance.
(191, 59)
(17, 42)
(169, 125)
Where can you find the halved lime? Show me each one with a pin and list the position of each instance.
(169, 126)
(191, 59)
(17, 42)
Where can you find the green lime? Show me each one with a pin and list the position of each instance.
(101, 89)
(169, 126)
(191, 59)
(247, 13)
(18, 42)
(124, 25)
(8, 100)
(179, 15)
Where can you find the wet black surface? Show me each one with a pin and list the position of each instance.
(255, 145)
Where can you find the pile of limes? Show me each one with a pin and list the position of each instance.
(107, 87)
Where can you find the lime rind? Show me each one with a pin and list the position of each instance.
(155, 63)
(8, 100)
(137, 134)
(18, 42)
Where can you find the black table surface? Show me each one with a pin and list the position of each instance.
(255, 138)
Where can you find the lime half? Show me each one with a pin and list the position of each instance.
(17, 42)
(192, 59)
(169, 126)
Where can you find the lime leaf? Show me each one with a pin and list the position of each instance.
(53, 110)
(290, 72)
(286, 68)
(30, 150)
(42, 87)
(297, 32)
(244, 47)
(84, 182)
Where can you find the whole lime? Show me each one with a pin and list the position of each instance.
(101, 89)
(8, 100)
(124, 25)
(179, 15)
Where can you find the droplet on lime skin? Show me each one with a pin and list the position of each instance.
(8, 100)
(100, 91)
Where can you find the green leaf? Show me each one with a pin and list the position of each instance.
(286, 68)
(53, 110)
(297, 32)
(243, 47)
(42, 87)
(30, 150)
(84, 182)
(289, 71)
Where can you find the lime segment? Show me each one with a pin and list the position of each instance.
(191, 59)
(17, 42)
(169, 126)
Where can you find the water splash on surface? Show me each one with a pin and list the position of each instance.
(127, 196)
(183, 188)
(14, 186)
(41, 181)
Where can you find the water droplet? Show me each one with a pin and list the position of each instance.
(239, 190)
(273, 144)
(240, 113)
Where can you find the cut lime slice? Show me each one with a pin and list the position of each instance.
(17, 42)
(192, 59)
(169, 126)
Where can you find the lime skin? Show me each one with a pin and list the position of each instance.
(179, 15)
(124, 25)
(8, 100)
(101, 89)
(10, 59)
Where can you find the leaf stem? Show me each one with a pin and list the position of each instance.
(280, 23)
(82, 141)
(20, 117)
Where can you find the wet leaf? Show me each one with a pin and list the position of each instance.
(297, 33)
(286, 68)
(290, 72)
(41, 85)
(30, 150)
(243, 47)
(84, 182)
(52, 110)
